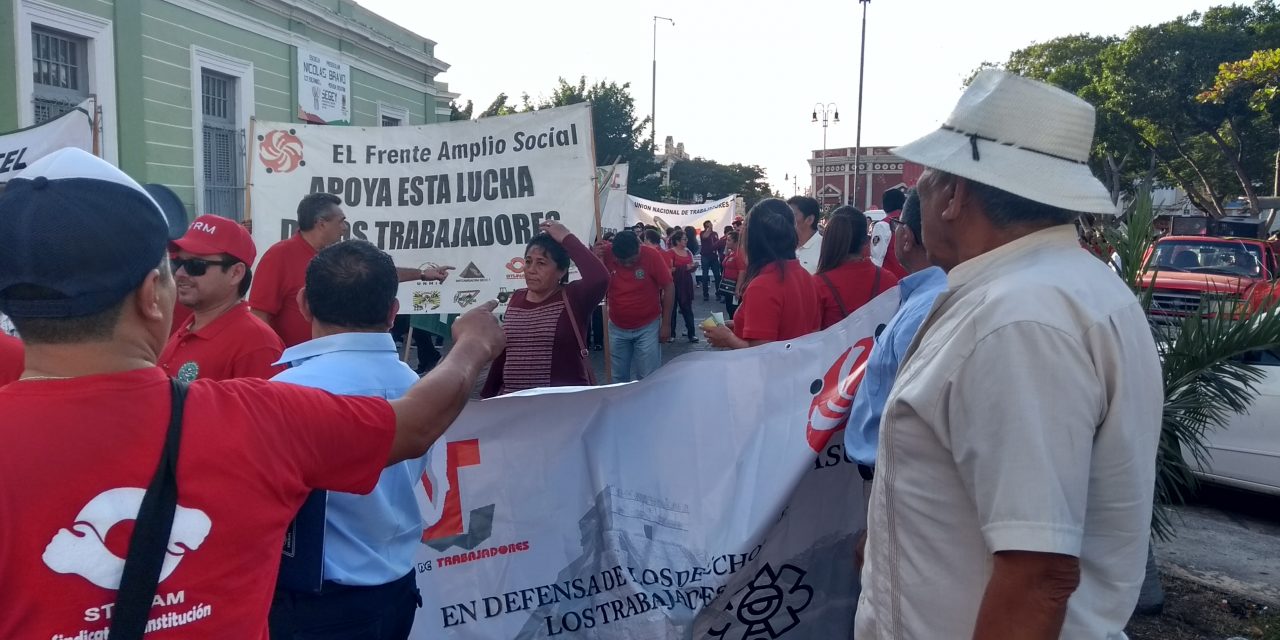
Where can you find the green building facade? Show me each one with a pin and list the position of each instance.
(178, 82)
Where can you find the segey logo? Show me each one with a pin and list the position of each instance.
(833, 395)
(82, 549)
(770, 606)
(280, 151)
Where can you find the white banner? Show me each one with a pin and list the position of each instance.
(324, 89)
(613, 513)
(24, 146)
(613, 198)
(469, 194)
(665, 216)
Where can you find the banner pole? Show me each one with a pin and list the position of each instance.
(97, 123)
(595, 202)
(248, 171)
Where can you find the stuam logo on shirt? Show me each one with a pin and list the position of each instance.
(833, 395)
(82, 548)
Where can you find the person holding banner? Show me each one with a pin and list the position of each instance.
(846, 279)
(1016, 460)
(84, 274)
(545, 320)
(682, 273)
(283, 268)
(641, 295)
(779, 299)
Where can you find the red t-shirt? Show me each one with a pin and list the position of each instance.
(235, 345)
(680, 262)
(635, 291)
(732, 265)
(857, 285)
(11, 358)
(280, 274)
(79, 453)
(778, 306)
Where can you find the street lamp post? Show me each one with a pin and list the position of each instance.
(795, 182)
(862, 60)
(653, 107)
(829, 109)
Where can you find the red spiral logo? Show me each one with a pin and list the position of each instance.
(280, 151)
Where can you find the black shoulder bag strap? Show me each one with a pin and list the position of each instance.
(844, 313)
(151, 531)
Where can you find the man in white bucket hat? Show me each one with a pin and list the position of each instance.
(1016, 462)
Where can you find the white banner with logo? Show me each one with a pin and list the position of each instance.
(469, 194)
(324, 89)
(613, 196)
(614, 513)
(24, 146)
(664, 216)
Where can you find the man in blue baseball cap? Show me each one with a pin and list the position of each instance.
(84, 275)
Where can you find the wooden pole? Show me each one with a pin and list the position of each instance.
(248, 171)
(595, 203)
(96, 122)
(408, 343)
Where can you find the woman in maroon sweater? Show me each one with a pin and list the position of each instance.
(545, 322)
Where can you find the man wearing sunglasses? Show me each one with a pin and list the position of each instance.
(222, 340)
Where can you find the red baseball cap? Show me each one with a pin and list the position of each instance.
(210, 234)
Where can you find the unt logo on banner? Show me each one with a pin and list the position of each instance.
(449, 531)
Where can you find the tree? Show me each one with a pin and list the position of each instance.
(460, 114)
(498, 107)
(1143, 87)
(1258, 77)
(712, 180)
(618, 133)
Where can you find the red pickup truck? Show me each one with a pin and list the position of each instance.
(1219, 273)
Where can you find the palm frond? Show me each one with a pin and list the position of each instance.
(1207, 378)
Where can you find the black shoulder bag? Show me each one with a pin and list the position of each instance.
(151, 531)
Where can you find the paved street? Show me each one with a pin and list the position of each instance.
(1228, 539)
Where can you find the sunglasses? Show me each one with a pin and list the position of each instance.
(197, 267)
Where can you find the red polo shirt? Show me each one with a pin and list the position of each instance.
(79, 453)
(891, 263)
(635, 292)
(779, 306)
(235, 345)
(279, 276)
(11, 358)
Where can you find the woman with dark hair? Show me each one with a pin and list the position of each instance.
(846, 278)
(779, 299)
(544, 321)
(682, 272)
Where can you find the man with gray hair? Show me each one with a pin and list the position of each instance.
(1016, 461)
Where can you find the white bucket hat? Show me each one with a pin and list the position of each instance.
(1019, 135)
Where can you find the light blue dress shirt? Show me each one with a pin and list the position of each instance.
(917, 292)
(369, 540)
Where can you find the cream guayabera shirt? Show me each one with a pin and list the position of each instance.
(1024, 417)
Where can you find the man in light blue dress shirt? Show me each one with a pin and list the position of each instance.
(369, 588)
(917, 292)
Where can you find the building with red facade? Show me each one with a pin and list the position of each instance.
(833, 180)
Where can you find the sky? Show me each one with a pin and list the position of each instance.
(737, 80)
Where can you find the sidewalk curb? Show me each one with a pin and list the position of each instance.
(1260, 594)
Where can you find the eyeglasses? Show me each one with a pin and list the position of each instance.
(197, 267)
(895, 222)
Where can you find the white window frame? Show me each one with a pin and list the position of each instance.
(242, 71)
(392, 111)
(100, 68)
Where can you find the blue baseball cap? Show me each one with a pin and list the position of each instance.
(82, 230)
